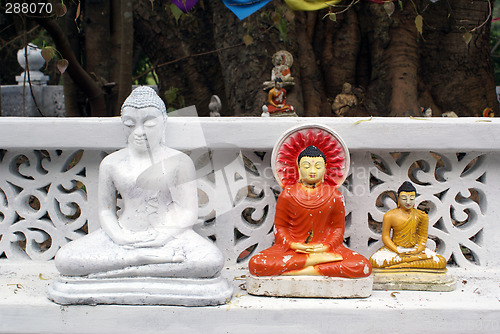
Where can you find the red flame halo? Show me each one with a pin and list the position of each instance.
(296, 139)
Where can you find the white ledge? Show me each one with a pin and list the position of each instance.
(473, 307)
(378, 133)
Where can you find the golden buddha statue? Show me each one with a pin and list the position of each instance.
(406, 249)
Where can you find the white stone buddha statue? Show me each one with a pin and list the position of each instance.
(147, 252)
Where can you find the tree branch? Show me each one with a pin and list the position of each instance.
(77, 73)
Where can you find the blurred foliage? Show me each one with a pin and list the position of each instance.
(144, 65)
(173, 99)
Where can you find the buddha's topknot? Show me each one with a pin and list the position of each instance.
(407, 187)
(311, 151)
(143, 97)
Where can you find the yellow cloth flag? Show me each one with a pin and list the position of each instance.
(310, 4)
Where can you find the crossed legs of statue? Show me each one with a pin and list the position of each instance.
(98, 256)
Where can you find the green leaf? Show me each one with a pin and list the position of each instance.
(363, 120)
(40, 276)
(276, 17)
(176, 12)
(171, 94)
(332, 17)
(48, 53)
(389, 7)
(467, 37)
(247, 39)
(419, 22)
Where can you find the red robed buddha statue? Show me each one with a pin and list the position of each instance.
(310, 216)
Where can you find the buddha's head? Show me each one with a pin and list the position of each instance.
(311, 163)
(144, 116)
(278, 83)
(406, 195)
(347, 88)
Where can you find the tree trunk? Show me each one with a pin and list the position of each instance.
(342, 40)
(397, 70)
(402, 63)
(74, 100)
(121, 41)
(126, 53)
(173, 45)
(311, 77)
(97, 39)
(77, 73)
(459, 77)
(245, 67)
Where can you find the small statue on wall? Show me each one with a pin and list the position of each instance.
(488, 112)
(146, 252)
(344, 101)
(215, 106)
(311, 163)
(276, 102)
(282, 61)
(426, 111)
(405, 251)
(449, 114)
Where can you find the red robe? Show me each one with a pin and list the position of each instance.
(297, 214)
(278, 97)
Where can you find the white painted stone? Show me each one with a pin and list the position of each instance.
(141, 291)
(418, 281)
(36, 62)
(476, 134)
(309, 286)
(145, 251)
(25, 308)
(479, 139)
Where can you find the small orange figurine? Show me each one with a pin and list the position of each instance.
(309, 223)
(488, 112)
(276, 100)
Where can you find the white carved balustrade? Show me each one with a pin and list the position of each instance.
(49, 170)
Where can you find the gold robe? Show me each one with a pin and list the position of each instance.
(407, 236)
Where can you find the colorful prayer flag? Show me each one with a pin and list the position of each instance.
(184, 5)
(244, 8)
(310, 4)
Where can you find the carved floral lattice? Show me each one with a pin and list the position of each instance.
(450, 186)
(43, 201)
(46, 201)
(237, 201)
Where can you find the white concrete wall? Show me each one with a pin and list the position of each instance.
(460, 189)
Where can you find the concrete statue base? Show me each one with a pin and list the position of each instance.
(140, 291)
(419, 280)
(309, 286)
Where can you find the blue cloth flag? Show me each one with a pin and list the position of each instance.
(244, 8)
